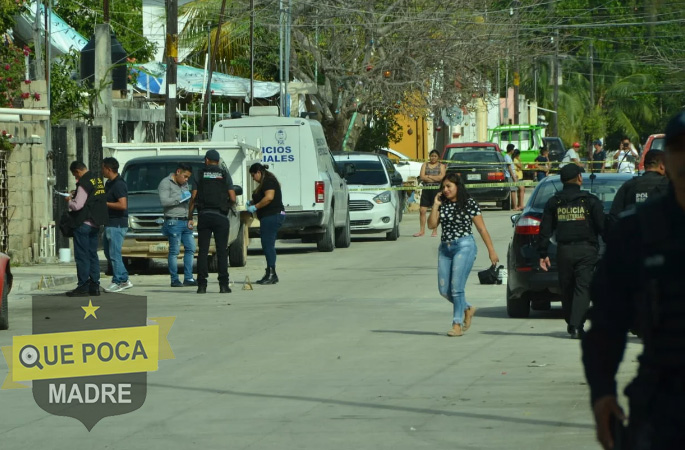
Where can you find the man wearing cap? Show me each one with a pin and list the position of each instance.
(648, 245)
(174, 194)
(213, 197)
(578, 219)
(636, 190)
(571, 156)
(598, 156)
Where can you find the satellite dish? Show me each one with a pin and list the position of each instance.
(452, 116)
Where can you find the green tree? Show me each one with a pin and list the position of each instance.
(379, 132)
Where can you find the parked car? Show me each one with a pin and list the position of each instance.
(404, 164)
(654, 142)
(460, 146)
(374, 206)
(5, 288)
(144, 239)
(478, 164)
(527, 284)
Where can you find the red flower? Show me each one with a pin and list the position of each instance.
(25, 95)
(7, 67)
(27, 81)
(4, 133)
(36, 96)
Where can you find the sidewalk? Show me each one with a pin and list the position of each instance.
(36, 277)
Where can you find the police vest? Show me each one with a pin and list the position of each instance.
(95, 208)
(573, 219)
(212, 189)
(646, 185)
(659, 303)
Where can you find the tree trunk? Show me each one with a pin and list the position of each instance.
(335, 132)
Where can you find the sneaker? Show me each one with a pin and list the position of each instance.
(455, 331)
(176, 283)
(114, 287)
(94, 289)
(125, 285)
(190, 282)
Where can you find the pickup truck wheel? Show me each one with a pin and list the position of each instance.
(237, 251)
(212, 263)
(518, 307)
(326, 241)
(4, 310)
(342, 235)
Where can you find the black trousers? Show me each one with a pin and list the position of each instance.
(576, 263)
(208, 223)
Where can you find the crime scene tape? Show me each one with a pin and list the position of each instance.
(468, 186)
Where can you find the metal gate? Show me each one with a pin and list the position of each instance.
(4, 203)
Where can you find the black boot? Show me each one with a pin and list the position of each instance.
(224, 289)
(270, 277)
(201, 288)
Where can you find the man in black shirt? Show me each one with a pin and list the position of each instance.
(639, 284)
(213, 195)
(599, 155)
(116, 193)
(578, 219)
(636, 190)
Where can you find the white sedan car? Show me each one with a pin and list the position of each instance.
(374, 206)
(404, 165)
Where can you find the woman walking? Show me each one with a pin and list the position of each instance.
(268, 204)
(432, 172)
(456, 211)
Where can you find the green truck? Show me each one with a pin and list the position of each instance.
(527, 138)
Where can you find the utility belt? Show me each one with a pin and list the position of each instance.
(574, 243)
(212, 211)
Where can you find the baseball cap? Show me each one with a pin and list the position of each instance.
(675, 127)
(569, 172)
(576, 144)
(212, 155)
(597, 142)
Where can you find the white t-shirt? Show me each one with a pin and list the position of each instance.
(507, 168)
(568, 157)
(625, 161)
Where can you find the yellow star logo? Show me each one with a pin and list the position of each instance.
(90, 310)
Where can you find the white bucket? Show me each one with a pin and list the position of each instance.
(64, 255)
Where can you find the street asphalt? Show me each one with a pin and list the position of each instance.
(348, 351)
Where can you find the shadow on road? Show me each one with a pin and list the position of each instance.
(416, 333)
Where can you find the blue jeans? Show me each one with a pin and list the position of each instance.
(455, 261)
(112, 241)
(178, 232)
(86, 255)
(268, 229)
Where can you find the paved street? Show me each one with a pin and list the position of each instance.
(348, 351)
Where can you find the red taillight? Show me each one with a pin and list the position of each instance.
(496, 176)
(318, 191)
(527, 225)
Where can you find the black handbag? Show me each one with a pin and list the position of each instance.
(67, 224)
(489, 275)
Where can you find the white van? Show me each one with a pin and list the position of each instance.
(315, 194)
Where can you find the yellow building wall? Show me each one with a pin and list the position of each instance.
(414, 143)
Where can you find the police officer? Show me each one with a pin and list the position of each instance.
(213, 196)
(648, 244)
(578, 218)
(638, 189)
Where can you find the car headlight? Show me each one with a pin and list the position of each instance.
(383, 197)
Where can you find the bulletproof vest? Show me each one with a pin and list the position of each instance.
(573, 219)
(212, 192)
(95, 208)
(660, 305)
(648, 184)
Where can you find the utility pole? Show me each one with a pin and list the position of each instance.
(171, 70)
(592, 75)
(252, 53)
(208, 91)
(555, 122)
(105, 11)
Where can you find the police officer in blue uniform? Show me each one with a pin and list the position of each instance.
(213, 196)
(638, 189)
(639, 283)
(578, 219)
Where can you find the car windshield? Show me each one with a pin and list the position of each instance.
(604, 188)
(657, 144)
(365, 172)
(466, 154)
(553, 145)
(515, 135)
(146, 176)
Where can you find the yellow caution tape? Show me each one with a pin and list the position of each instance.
(469, 186)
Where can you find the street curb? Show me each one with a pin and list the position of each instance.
(20, 287)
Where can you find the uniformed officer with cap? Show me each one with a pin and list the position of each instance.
(213, 197)
(639, 283)
(636, 190)
(578, 219)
